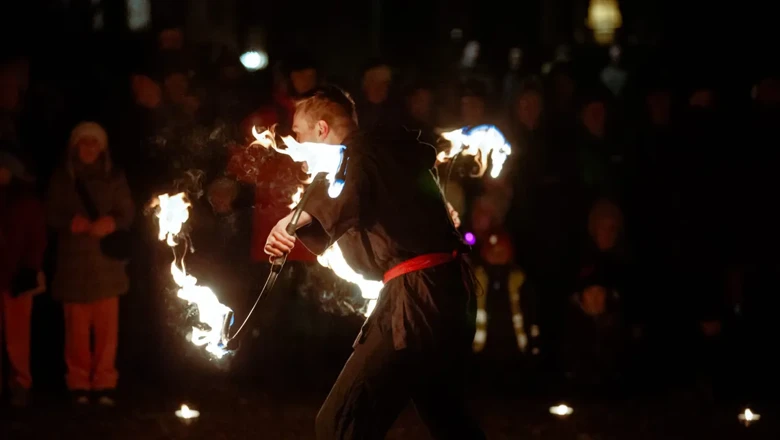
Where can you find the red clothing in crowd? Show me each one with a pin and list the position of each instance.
(275, 177)
(22, 235)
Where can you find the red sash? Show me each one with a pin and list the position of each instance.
(419, 263)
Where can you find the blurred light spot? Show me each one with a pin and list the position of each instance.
(747, 417)
(493, 239)
(470, 238)
(186, 413)
(254, 60)
(456, 34)
(561, 410)
(139, 12)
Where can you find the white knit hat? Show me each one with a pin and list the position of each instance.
(89, 129)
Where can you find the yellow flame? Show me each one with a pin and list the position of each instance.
(186, 413)
(481, 142)
(319, 158)
(296, 198)
(173, 212)
(334, 259)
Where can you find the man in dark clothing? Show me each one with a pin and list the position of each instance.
(392, 224)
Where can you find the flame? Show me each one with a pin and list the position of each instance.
(296, 198)
(319, 158)
(186, 413)
(333, 258)
(562, 410)
(481, 141)
(173, 212)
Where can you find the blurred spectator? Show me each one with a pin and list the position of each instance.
(375, 105)
(418, 113)
(22, 245)
(473, 105)
(87, 281)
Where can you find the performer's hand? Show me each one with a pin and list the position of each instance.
(453, 215)
(279, 241)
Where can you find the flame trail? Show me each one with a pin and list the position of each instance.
(173, 212)
(482, 141)
(323, 158)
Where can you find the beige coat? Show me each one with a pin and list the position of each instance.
(83, 274)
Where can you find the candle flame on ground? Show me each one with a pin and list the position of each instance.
(482, 141)
(747, 417)
(186, 413)
(562, 410)
(173, 212)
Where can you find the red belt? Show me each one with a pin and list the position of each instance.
(419, 263)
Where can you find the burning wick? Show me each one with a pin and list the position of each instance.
(561, 410)
(747, 417)
(187, 414)
(480, 141)
(173, 212)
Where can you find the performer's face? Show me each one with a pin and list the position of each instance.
(305, 129)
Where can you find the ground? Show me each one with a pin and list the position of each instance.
(240, 412)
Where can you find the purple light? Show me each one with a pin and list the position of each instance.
(470, 238)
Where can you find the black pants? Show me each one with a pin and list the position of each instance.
(378, 381)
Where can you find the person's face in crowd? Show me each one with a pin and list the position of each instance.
(147, 93)
(767, 91)
(89, 150)
(594, 300)
(9, 89)
(529, 109)
(303, 80)
(5, 176)
(497, 251)
(594, 118)
(171, 39)
(420, 105)
(176, 87)
(472, 110)
(659, 105)
(703, 98)
(606, 233)
(563, 88)
(376, 84)
(221, 199)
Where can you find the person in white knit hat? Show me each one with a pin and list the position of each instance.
(88, 281)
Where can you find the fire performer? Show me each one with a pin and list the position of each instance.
(392, 224)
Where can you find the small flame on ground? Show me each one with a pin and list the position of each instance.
(185, 412)
(747, 417)
(561, 410)
(333, 258)
(482, 141)
(173, 212)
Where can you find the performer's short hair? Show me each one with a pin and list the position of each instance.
(330, 104)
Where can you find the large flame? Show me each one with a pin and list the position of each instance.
(319, 158)
(173, 212)
(334, 259)
(482, 141)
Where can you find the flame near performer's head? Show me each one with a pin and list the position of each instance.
(482, 141)
(319, 158)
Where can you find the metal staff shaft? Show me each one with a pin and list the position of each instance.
(277, 264)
